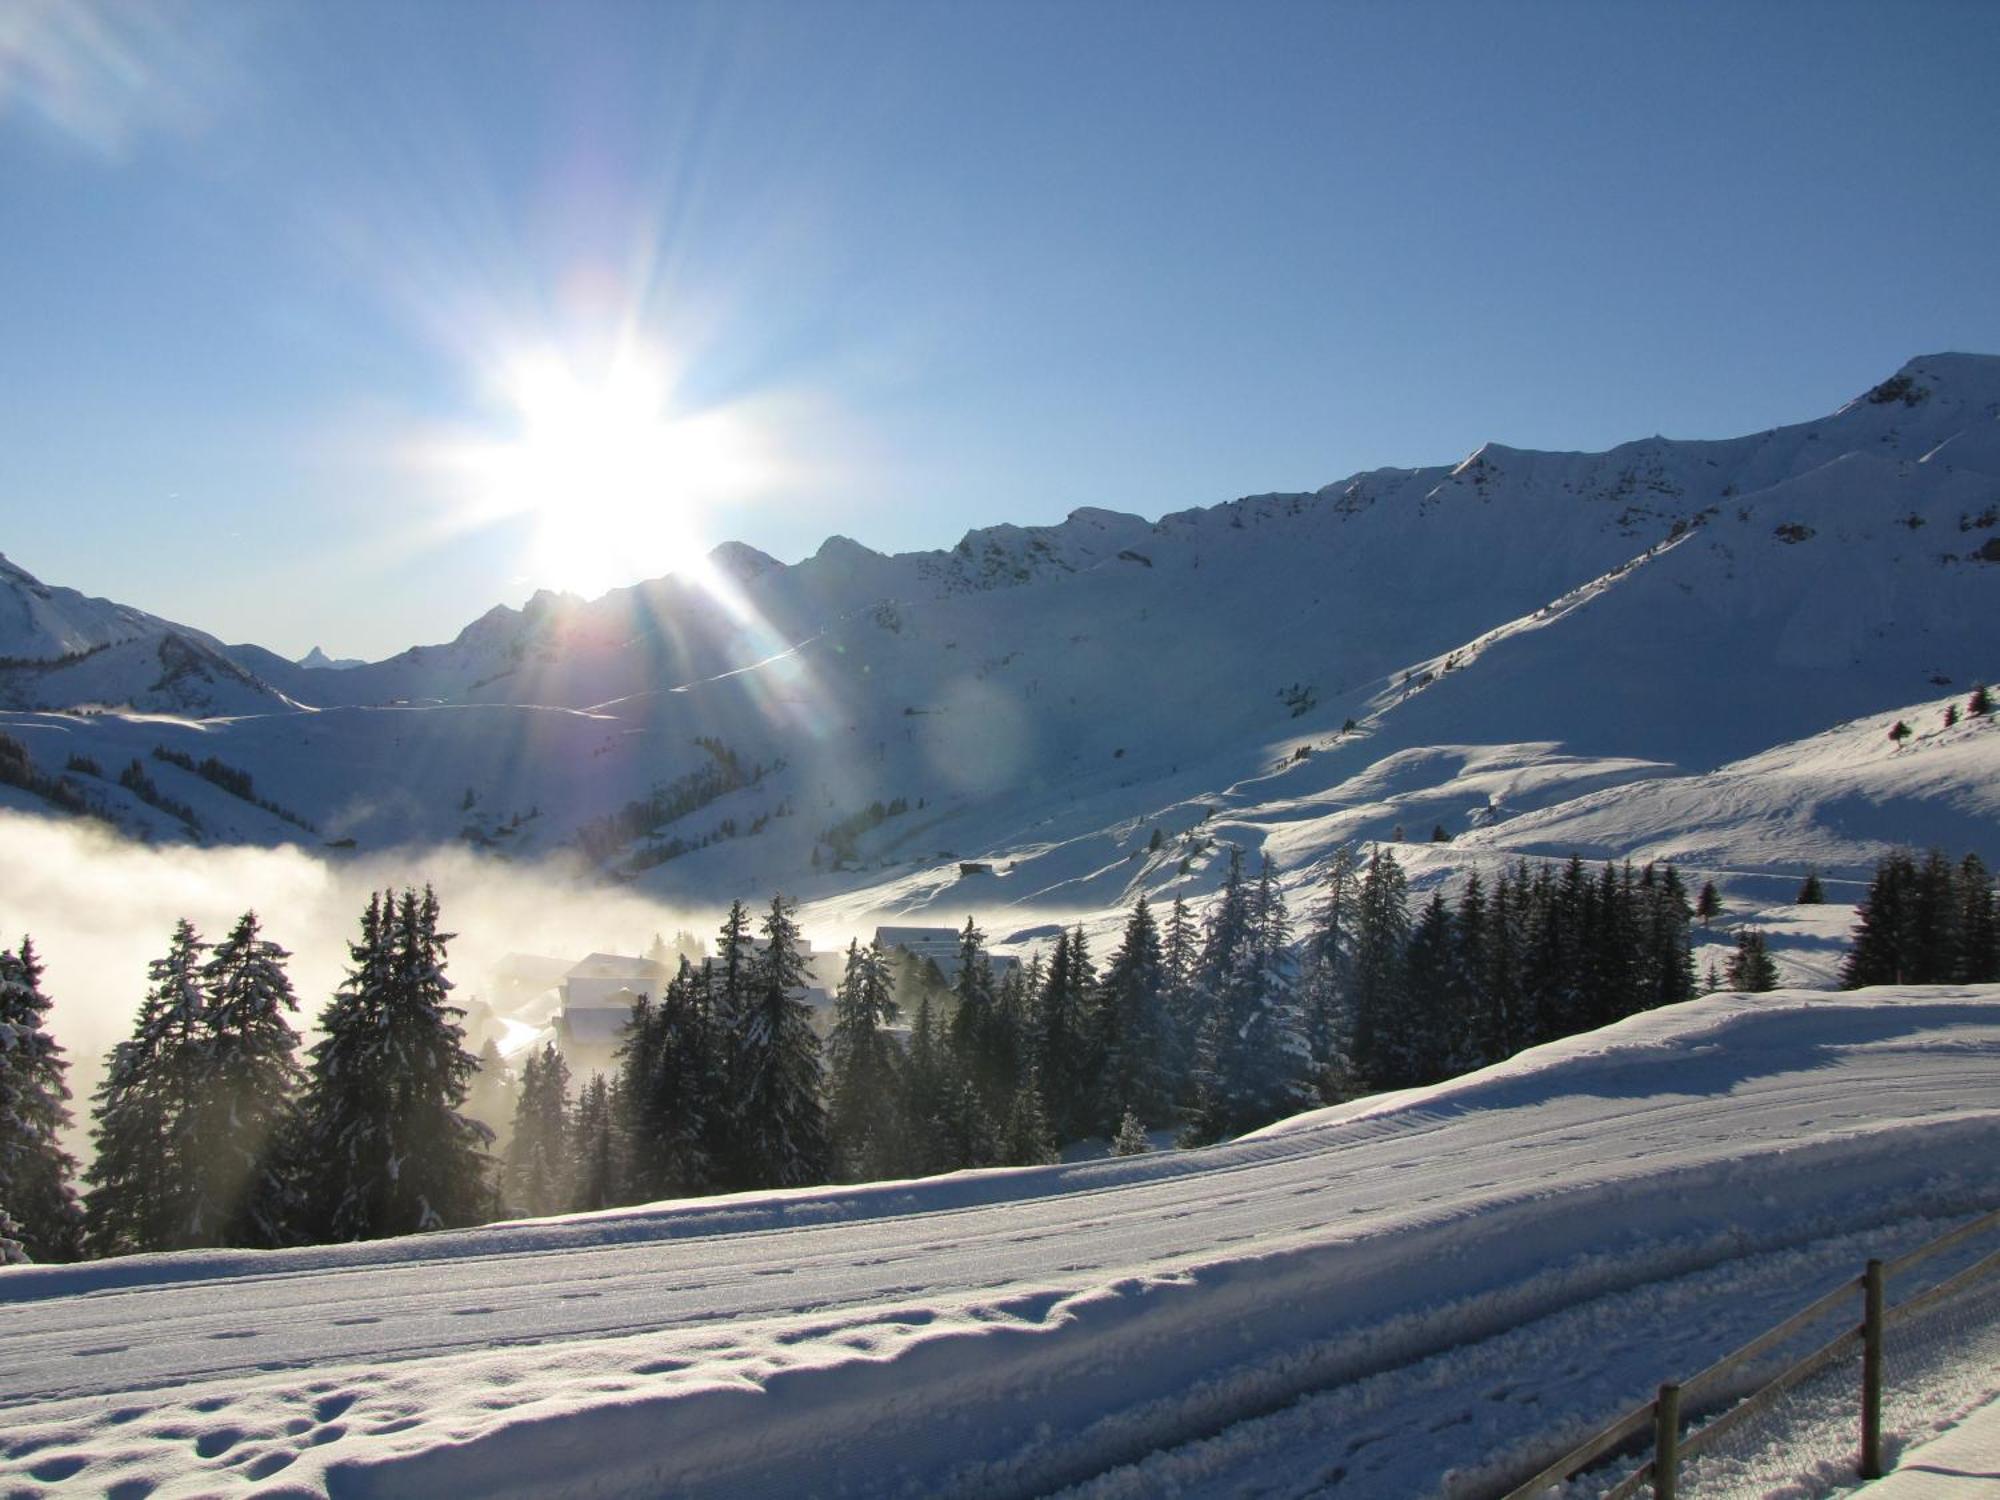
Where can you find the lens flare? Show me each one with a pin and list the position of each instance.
(618, 484)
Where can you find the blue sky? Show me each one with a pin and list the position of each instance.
(932, 265)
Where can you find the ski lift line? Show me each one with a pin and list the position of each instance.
(685, 687)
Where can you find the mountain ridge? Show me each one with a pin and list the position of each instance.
(1043, 697)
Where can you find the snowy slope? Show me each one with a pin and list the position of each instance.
(43, 623)
(999, 1333)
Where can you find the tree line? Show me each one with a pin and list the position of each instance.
(211, 1130)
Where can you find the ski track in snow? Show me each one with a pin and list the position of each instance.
(1471, 1275)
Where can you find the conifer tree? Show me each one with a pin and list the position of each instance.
(1011, 1038)
(36, 1174)
(1978, 925)
(490, 1099)
(781, 1121)
(671, 1116)
(1480, 1038)
(726, 996)
(1886, 927)
(972, 1033)
(539, 1153)
(1131, 1138)
(1669, 922)
(1064, 1064)
(1329, 972)
(382, 1146)
(1981, 701)
(1383, 1046)
(1180, 946)
(1132, 1026)
(864, 1088)
(594, 1164)
(1811, 892)
(145, 1193)
(970, 1137)
(928, 1085)
(1274, 1032)
(1708, 905)
(1029, 1140)
(1750, 968)
(250, 1076)
(1426, 1028)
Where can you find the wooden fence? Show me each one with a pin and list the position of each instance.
(1664, 1414)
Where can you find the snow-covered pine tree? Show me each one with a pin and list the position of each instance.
(144, 1192)
(1132, 1026)
(1131, 1137)
(383, 1148)
(12, 1251)
(781, 1122)
(537, 1179)
(864, 1086)
(36, 1174)
(251, 1075)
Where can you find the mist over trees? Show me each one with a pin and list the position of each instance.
(210, 1129)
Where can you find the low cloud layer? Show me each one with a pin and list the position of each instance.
(100, 908)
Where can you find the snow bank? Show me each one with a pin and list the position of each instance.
(1006, 1332)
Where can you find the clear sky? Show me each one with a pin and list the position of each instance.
(339, 323)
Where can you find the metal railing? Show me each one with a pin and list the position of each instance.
(1665, 1412)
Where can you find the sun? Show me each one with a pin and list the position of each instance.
(617, 485)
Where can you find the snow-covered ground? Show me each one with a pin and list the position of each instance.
(1471, 1275)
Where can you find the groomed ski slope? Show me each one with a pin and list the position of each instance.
(1009, 1332)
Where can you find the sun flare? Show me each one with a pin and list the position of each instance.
(616, 483)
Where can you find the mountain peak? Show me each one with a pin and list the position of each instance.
(741, 561)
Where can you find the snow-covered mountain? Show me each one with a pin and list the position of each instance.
(1471, 648)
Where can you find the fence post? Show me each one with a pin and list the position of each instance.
(1871, 1371)
(1667, 1442)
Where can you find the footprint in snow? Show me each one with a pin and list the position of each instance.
(268, 1465)
(215, 1444)
(333, 1406)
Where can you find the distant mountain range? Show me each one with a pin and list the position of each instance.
(1521, 650)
